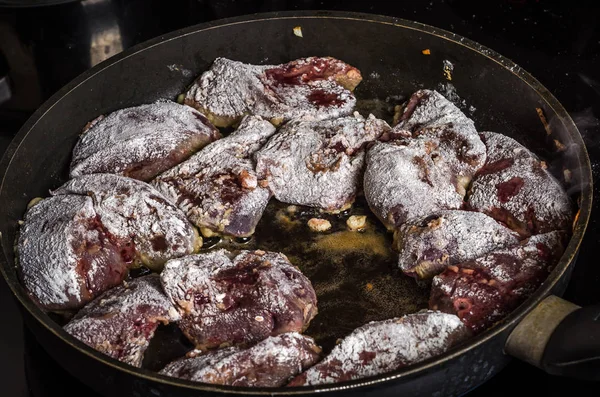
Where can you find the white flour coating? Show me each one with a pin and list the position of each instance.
(517, 264)
(190, 367)
(427, 245)
(218, 187)
(484, 290)
(269, 363)
(555, 241)
(401, 182)
(238, 300)
(49, 254)
(427, 165)
(180, 276)
(429, 108)
(231, 89)
(535, 198)
(501, 147)
(450, 134)
(131, 209)
(156, 135)
(121, 322)
(318, 164)
(527, 259)
(384, 346)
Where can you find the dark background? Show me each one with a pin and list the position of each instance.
(43, 48)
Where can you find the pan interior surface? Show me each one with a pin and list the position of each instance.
(359, 284)
(353, 273)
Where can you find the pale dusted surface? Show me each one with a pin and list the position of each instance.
(227, 299)
(56, 236)
(449, 133)
(318, 164)
(425, 163)
(514, 187)
(231, 89)
(133, 209)
(141, 141)
(122, 321)
(401, 182)
(270, 363)
(380, 347)
(427, 245)
(218, 187)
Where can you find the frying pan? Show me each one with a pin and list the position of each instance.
(545, 330)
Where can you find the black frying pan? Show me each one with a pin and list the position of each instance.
(389, 53)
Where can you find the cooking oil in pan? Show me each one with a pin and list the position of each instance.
(354, 274)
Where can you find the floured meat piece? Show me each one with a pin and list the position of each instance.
(429, 108)
(141, 142)
(231, 301)
(121, 322)
(427, 245)
(484, 290)
(384, 346)
(402, 182)
(270, 363)
(191, 366)
(449, 134)
(134, 211)
(66, 256)
(318, 164)
(309, 88)
(218, 187)
(515, 188)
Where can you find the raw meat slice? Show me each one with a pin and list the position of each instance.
(384, 346)
(269, 363)
(427, 245)
(218, 187)
(226, 300)
(449, 133)
(403, 182)
(141, 142)
(121, 322)
(134, 211)
(309, 88)
(318, 164)
(484, 290)
(515, 188)
(66, 256)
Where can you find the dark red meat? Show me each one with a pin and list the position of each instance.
(269, 363)
(240, 300)
(484, 290)
(121, 322)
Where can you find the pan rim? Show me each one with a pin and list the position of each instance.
(411, 371)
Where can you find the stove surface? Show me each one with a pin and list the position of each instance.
(45, 47)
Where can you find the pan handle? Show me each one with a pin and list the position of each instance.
(559, 337)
